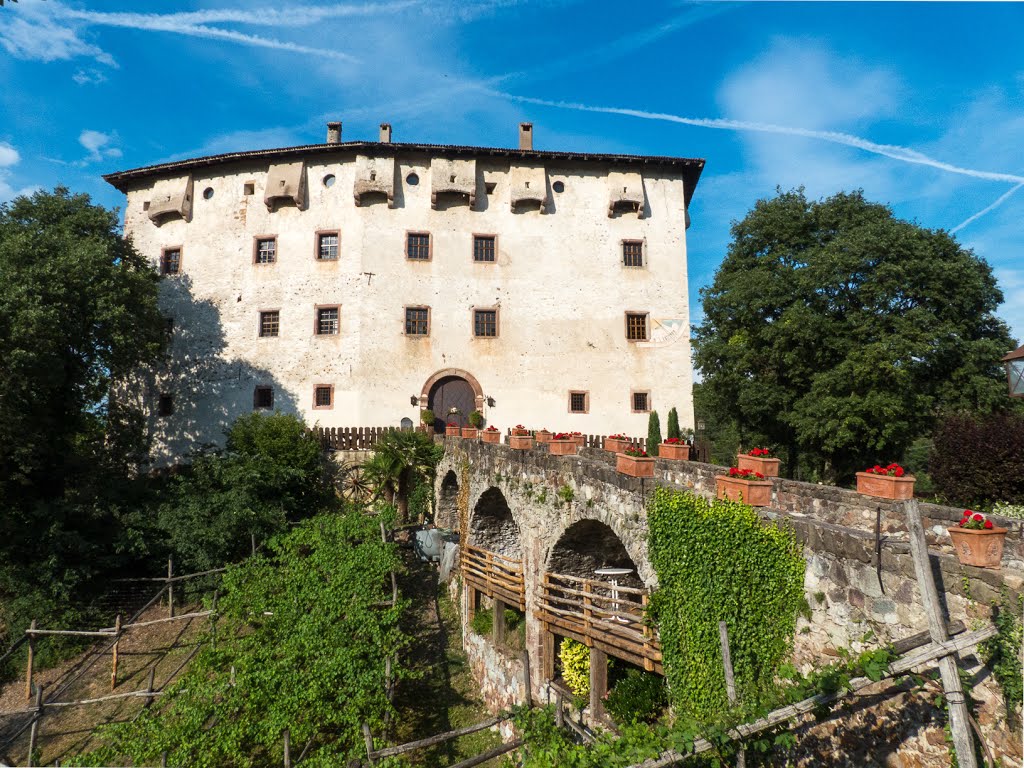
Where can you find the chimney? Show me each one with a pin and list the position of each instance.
(385, 133)
(526, 135)
(334, 133)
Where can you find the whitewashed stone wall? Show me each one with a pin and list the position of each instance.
(558, 283)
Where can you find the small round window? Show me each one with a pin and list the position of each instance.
(207, 193)
(412, 179)
(558, 186)
(329, 180)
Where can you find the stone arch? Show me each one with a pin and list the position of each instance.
(493, 527)
(448, 501)
(478, 391)
(589, 544)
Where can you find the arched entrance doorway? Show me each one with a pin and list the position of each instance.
(448, 389)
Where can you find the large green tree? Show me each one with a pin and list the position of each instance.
(78, 311)
(838, 332)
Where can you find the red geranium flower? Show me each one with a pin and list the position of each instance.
(988, 524)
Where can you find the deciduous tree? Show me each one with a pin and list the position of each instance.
(838, 332)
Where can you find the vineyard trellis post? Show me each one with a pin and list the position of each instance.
(114, 652)
(31, 660)
(34, 731)
(730, 682)
(170, 586)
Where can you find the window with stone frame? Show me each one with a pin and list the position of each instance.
(327, 321)
(170, 261)
(485, 323)
(265, 250)
(323, 396)
(636, 326)
(641, 402)
(270, 323)
(484, 248)
(417, 246)
(579, 401)
(327, 246)
(263, 398)
(632, 253)
(417, 321)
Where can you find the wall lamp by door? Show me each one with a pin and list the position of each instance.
(414, 400)
(490, 402)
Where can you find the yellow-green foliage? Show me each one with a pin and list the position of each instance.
(717, 561)
(575, 659)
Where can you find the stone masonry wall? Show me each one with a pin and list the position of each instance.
(862, 591)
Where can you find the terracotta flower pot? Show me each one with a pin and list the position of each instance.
(886, 486)
(450, 431)
(520, 442)
(469, 432)
(491, 436)
(543, 436)
(674, 451)
(581, 440)
(983, 548)
(634, 466)
(562, 447)
(615, 445)
(756, 493)
(766, 466)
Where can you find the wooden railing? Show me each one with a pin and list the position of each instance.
(495, 575)
(595, 613)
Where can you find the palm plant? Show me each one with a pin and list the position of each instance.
(400, 460)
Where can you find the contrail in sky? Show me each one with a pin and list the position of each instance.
(1002, 198)
(895, 152)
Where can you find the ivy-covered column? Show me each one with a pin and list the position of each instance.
(598, 681)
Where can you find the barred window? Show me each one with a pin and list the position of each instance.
(578, 402)
(170, 261)
(417, 321)
(323, 396)
(636, 326)
(485, 322)
(642, 401)
(263, 397)
(266, 250)
(327, 321)
(270, 323)
(632, 253)
(483, 248)
(327, 246)
(417, 246)
(165, 406)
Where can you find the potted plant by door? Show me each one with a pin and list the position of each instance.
(520, 439)
(744, 485)
(978, 541)
(617, 443)
(427, 420)
(759, 460)
(476, 420)
(491, 435)
(634, 462)
(674, 448)
(562, 444)
(452, 428)
(890, 482)
(542, 436)
(581, 441)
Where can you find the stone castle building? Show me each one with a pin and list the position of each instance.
(356, 283)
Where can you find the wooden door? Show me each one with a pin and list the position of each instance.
(451, 392)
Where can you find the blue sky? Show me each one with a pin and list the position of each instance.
(919, 104)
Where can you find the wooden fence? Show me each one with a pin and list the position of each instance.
(351, 438)
(494, 575)
(596, 613)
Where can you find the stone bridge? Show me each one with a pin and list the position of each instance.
(535, 527)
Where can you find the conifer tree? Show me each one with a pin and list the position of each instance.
(653, 433)
(673, 424)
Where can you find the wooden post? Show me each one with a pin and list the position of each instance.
(959, 717)
(113, 652)
(287, 749)
(648, 635)
(213, 623)
(34, 732)
(368, 738)
(547, 655)
(149, 685)
(587, 604)
(163, 759)
(526, 678)
(730, 682)
(559, 712)
(170, 586)
(252, 541)
(31, 659)
(598, 681)
(498, 622)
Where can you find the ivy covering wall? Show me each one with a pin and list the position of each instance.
(717, 561)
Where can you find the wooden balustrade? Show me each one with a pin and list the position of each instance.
(599, 615)
(495, 575)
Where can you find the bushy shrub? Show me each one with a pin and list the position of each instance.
(638, 697)
(575, 658)
(482, 622)
(979, 460)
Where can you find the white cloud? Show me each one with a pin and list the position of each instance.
(89, 77)
(98, 145)
(31, 32)
(8, 156)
